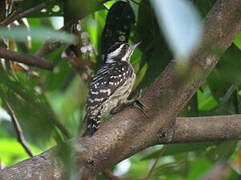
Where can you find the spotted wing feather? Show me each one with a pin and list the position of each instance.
(109, 78)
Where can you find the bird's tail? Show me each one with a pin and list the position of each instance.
(92, 124)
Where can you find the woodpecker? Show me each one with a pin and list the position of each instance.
(111, 85)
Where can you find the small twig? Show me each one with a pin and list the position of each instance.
(26, 59)
(17, 16)
(155, 163)
(18, 129)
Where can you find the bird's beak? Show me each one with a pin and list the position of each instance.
(133, 47)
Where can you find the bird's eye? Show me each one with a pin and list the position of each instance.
(125, 47)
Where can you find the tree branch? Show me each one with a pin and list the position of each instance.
(130, 131)
(19, 15)
(196, 129)
(199, 129)
(26, 59)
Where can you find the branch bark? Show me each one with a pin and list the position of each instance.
(26, 59)
(130, 131)
(196, 129)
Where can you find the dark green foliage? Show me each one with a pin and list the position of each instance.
(155, 52)
(54, 7)
(119, 21)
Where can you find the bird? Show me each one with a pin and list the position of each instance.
(111, 85)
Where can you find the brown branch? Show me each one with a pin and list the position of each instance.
(18, 129)
(19, 15)
(26, 59)
(199, 129)
(226, 128)
(129, 131)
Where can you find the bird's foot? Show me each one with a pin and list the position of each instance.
(136, 102)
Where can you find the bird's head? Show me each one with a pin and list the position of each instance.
(120, 52)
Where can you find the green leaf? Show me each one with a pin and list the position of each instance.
(237, 41)
(181, 24)
(12, 151)
(221, 80)
(155, 52)
(198, 168)
(191, 109)
(29, 106)
(177, 167)
(138, 168)
(222, 151)
(37, 34)
(205, 99)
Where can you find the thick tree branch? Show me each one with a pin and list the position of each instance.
(199, 129)
(26, 59)
(130, 131)
(195, 129)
